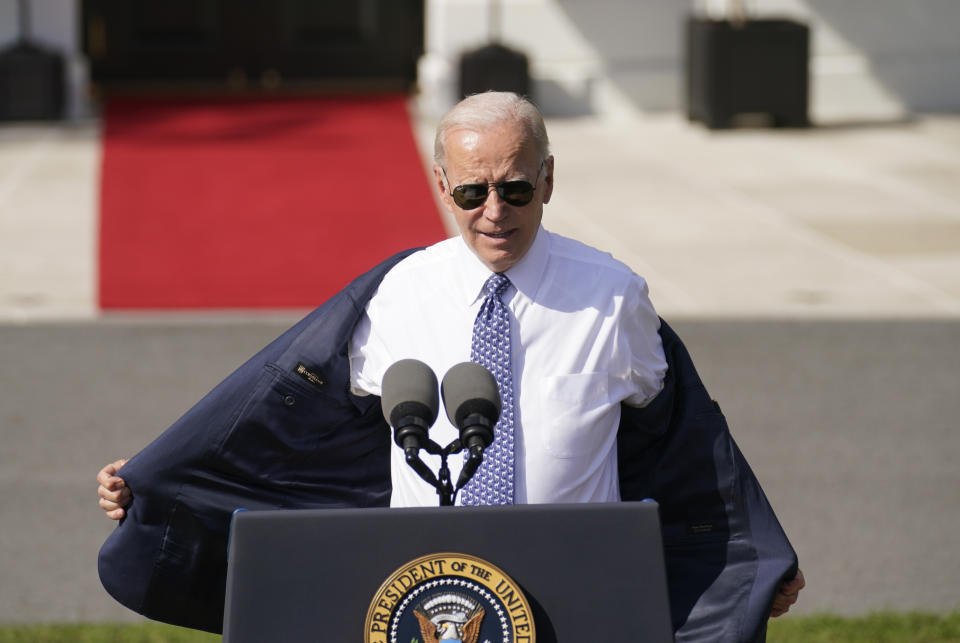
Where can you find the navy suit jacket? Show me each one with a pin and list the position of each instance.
(267, 438)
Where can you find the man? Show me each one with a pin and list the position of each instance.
(589, 378)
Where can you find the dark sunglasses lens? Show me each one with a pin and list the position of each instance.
(469, 197)
(516, 192)
(473, 195)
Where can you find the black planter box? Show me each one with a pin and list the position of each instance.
(31, 84)
(757, 67)
(494, 67)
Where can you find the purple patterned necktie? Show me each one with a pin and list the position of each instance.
(492, 484)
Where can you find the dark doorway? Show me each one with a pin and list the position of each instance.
(253, 44)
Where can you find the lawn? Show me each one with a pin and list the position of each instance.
(879, 627)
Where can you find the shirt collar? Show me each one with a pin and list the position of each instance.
(526, 275)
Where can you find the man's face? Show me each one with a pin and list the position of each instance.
(498, 233)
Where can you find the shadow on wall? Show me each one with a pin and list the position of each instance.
(639, 43)
(910, 48)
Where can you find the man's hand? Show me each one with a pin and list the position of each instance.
(787, 595)
(113, 491)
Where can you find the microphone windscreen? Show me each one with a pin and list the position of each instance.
(409, 387)
(470, 388)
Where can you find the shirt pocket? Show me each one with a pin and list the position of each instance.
(576, 411)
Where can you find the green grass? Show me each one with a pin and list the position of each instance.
(882, 627)
(84, 633)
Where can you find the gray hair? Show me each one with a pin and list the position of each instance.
(486, 110)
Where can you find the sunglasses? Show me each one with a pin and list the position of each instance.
(473, 195)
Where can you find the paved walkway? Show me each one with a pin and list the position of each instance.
(849, 425)
(831, 222)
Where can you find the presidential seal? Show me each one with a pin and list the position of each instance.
(449, 598)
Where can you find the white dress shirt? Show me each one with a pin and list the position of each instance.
(584, 339)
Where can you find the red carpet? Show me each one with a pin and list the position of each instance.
(255, 203)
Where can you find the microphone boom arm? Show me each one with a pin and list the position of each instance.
(443, 486)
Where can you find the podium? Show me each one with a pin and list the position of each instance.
(523, 573)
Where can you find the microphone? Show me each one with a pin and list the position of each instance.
(410, 404)
(472, 402)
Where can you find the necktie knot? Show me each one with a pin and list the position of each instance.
(496, 284)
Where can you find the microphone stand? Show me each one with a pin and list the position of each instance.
(443, 485)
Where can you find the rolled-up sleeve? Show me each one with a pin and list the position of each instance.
(640, 340)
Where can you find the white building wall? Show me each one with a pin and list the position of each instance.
(871, 59)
